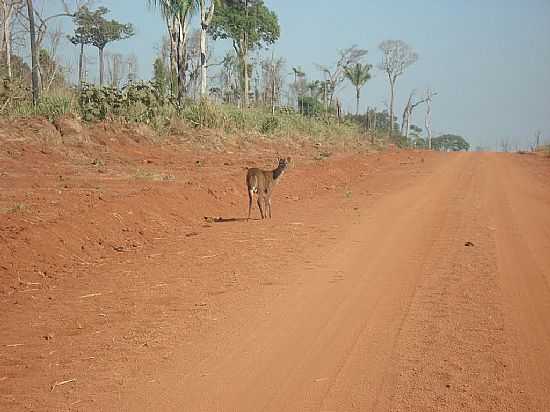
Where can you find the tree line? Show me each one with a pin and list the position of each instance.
(184, 68)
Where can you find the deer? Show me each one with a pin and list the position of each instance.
(262, 183)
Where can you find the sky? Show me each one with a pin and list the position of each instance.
(489, 60)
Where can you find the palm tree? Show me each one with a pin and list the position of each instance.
(358, 75)
(177, 14)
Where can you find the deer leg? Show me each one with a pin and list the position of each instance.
(260, 200)
(269, 206)
(249, 203)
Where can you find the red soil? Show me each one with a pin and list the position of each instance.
(129, 281)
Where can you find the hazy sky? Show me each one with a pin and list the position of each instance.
(489, 60)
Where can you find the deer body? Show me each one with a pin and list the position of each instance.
(262, 183)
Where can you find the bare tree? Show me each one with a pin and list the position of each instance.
(298, 87)
(38, 23)
(335, 74)
(207, 13)
(8, 9)
(398, 55)
(272, 80)
(34, 55)
(407, 114)
(115, 69)
(48, 57)
(505, 144)
(538, 139)
(177, 15)
(230, 78)
(132, 67)
(428, 120)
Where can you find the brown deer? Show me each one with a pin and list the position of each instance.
(262, 183)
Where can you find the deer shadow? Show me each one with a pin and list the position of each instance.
(208, 219)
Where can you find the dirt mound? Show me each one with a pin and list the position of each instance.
(32, 130)
(141, 133)
(122, 133)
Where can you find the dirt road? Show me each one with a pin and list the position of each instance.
(424, 285)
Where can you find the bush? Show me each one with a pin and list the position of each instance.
(138, 101)
(269, 125)
(309, 106)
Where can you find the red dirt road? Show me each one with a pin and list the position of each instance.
(361, 294)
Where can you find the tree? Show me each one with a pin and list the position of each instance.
(115, 69)
(207, 14)
(101, 32)
(398, 55)
(538, 139)
(8, 9)
(52, 72)
(230, 78)
(250, 25)
(160, 78)
(407, 115)
(40, 22)
(177, 14)
(272, 79)
(450, 143)
(358, 74)
(299, 86)
(84, 20)
(428, 120)
(133, 67)
(34, 55)
(335, 75)
(309, 106)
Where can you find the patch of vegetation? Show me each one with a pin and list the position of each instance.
(154, 176)
(450, 143)
(138, 102)
(52, 105)
(16, 208)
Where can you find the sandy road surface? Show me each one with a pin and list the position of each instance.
(426, 289)
(399, 314)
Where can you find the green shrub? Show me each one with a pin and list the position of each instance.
(309, 106)
(269, 125)
(138, 101)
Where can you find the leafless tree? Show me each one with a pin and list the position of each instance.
(132, 67)
(116, 69)
(229, 78)
(272, 80)
(34, 55)
(37, 23)
(397, 56)
(8, 10)
(54, 68)
(428, 120)
(334, 75)
(538, 139)
(298, 88)
(505, 144)
(206, 14)
(407, 114)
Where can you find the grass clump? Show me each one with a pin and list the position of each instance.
(154, 176)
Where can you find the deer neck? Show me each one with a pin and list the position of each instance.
(277, 173)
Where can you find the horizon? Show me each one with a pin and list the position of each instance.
(489, 77)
